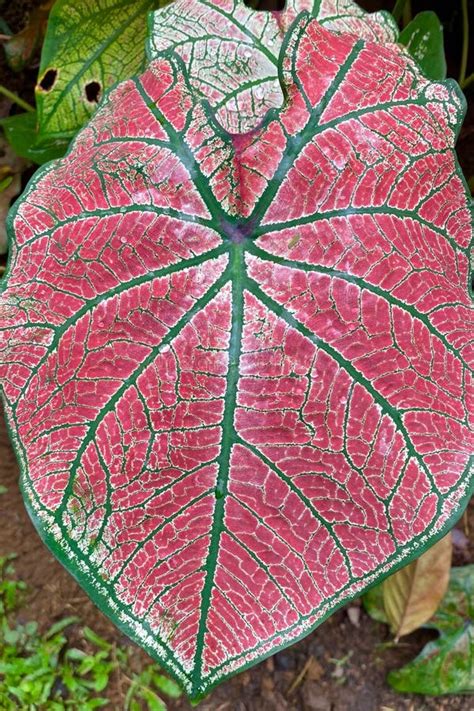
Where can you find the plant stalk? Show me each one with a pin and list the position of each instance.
(467, 81)
(398, 9)
(407, 13)
(465, 45)
(16, 99)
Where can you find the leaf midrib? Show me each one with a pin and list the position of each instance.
(237, 269)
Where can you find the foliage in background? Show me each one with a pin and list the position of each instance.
(21, 48)
(43, 670)
(423, 37)
(445, 665)
(20, 131)
(11, 168)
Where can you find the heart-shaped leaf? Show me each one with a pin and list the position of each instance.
(231, 51)
(235, 367)
(88, 47)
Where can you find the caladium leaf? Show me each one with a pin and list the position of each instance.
(88, 47)
(235, 366)
(231, 51)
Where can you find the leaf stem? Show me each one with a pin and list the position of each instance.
(407, 13)
(16, 99)
(398, 9)
(465, 45)
(467, 81)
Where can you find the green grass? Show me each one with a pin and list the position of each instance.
(43, 671)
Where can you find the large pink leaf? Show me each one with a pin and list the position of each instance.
(236, 367)
(231, 51)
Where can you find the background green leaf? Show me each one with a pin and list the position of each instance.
(423, 37)
(445, 666)
(21, 133)
(457, 606)
(373, 604)
(89, 46)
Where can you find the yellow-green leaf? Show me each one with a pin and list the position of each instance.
(89, 46)
(413, 593)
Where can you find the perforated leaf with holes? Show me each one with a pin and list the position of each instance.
(236, 368)
(89, 45)
(231, 51)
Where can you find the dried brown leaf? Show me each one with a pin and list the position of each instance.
(412, 595)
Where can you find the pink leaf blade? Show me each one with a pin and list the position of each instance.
(231, 51)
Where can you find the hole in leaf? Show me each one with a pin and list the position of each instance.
(48, 80)
(266, 4)
(92, 90)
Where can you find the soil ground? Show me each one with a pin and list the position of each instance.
(346, 663)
